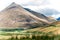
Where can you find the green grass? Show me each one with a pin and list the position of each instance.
(44, 37)
(36, 35)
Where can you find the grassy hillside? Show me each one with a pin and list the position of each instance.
(53, 28)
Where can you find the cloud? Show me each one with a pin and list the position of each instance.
(37, 2)
(49, 12)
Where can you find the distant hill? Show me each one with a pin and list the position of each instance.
(58, 19)
(52, 18)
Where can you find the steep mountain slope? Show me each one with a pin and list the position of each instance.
(36, 13)
(40, 15)
(15, 16)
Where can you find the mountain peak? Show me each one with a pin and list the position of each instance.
(13, 5)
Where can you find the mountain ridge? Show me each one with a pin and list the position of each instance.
(17, 16)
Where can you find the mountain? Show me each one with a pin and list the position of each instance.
(52, 18)
(15, 16)
(36, 13)
(58, 18)
(40, 15)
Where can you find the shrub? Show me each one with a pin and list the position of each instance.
(43, 37)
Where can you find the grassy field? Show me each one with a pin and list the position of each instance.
(44, 37)
(30, 36)
(51, 32)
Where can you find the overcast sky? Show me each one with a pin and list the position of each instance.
(33, 4)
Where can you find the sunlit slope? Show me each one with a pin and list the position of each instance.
(55, 29)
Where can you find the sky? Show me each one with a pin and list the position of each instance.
(34, 5)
